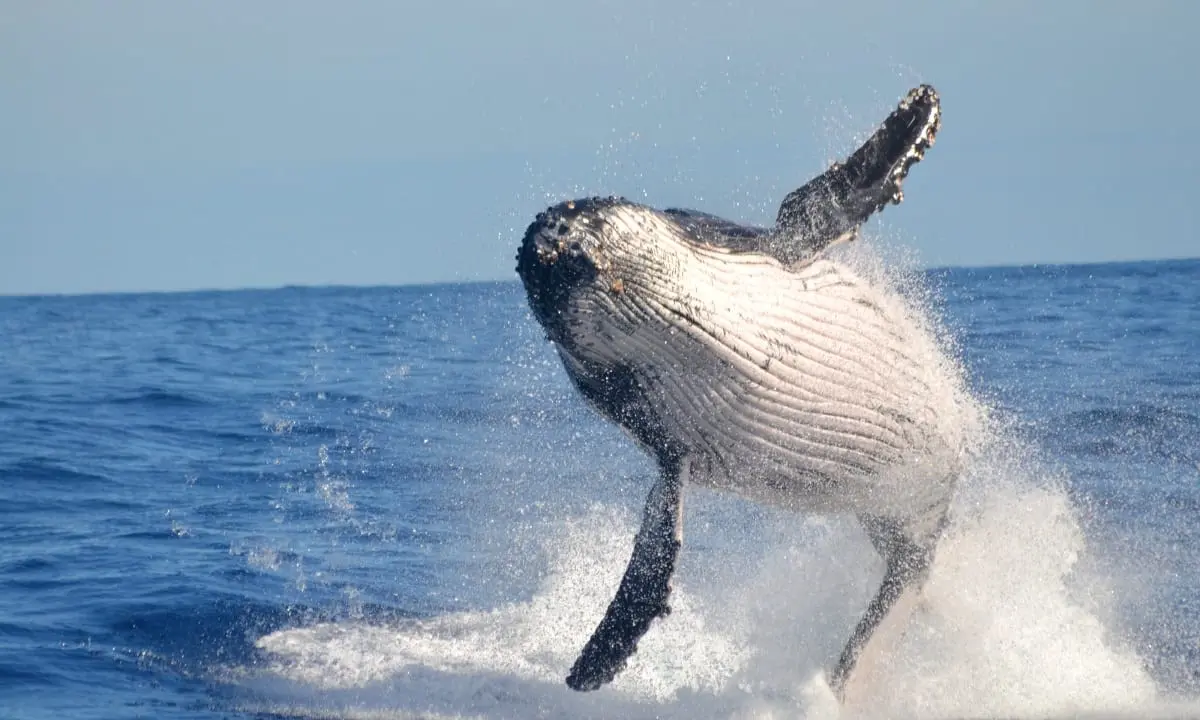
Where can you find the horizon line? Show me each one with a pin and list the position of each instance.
(498, 281)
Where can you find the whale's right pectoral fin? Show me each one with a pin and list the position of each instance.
(833, 205)
(642, 596)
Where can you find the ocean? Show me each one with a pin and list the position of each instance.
(389, 502)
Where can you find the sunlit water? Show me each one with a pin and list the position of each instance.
(390, 503)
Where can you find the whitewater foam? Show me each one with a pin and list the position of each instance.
(1000, 629)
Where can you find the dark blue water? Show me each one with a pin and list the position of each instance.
(236, 504)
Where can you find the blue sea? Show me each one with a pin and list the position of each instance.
(389, 502)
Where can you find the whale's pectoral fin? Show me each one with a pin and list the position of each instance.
(643, 593)
(833, 205)
(907, 562)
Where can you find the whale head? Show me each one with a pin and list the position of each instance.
(596, 266)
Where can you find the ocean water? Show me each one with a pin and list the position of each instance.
(389, 502)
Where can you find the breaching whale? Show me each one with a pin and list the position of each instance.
(752, 360)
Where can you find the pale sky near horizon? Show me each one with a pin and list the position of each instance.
(161, 146)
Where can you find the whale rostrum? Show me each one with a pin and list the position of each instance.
(753, 360)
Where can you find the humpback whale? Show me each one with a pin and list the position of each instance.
(753, 360)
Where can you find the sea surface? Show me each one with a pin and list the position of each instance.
(389, 502)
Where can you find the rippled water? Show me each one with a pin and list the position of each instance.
(389, 502)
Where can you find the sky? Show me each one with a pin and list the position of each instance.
(148, 145)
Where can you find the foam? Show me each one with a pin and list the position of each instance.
(1000, 631)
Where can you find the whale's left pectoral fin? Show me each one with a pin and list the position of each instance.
(642, 596)
(832, 206)
(907, 562)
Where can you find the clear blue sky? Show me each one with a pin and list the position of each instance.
(185, 144)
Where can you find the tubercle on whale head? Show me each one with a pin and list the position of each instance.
(561, 253)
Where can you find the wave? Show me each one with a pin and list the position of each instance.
(42, 471)
(157, 398)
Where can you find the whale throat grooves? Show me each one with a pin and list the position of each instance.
(803, 381)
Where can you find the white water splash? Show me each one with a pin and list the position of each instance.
(999, 631)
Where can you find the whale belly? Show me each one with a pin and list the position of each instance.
(810, 388)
